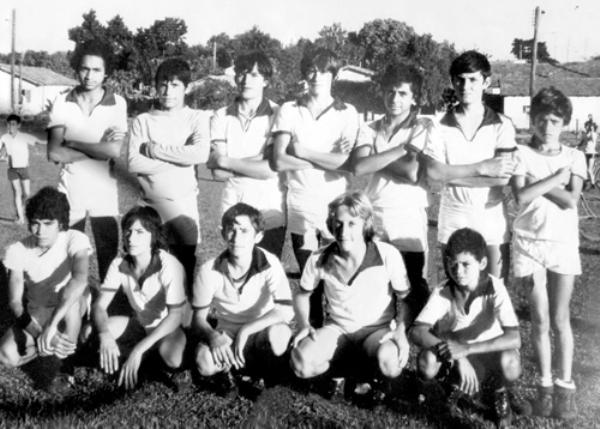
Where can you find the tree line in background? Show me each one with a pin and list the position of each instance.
(138, 53)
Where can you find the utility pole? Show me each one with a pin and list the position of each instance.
(214, 57)
(536, 20)
(12, 60)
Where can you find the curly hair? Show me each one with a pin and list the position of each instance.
(396, 73)
(358, 205)
(49, 203)
(94, 48)
(465, 240)
(151, 221)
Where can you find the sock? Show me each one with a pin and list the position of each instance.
(565, 384)
(545, 382)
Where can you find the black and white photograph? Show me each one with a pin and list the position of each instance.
(300, 214)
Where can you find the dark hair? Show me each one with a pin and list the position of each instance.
(94, 48)
(470, 62)
(396, 73)
(13, 117)
(551, 100)
(321, 58)
(245, 62)
(358, 205)
(243, 209)
(151, 221)
(173, 68)
(49, 203)
(465, 240)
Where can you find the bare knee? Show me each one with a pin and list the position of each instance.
(428, 364)
(540, 323)
(510, 362)
(204, 361)
(279, 338)
(303, 365)
(387, 357)
(561, 322)
(8, 359)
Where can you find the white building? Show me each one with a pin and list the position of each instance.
(509, 91)
(39, 86)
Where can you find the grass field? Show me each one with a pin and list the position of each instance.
(95, 402)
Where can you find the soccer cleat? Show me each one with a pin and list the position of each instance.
(502, 410)
(519, 405)
(542, 404)
(564, 403)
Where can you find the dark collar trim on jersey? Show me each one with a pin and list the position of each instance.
(490, 117)
(108, 99)
(264, 108)
(371, 259)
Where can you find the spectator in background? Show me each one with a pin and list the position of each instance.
(15, 145)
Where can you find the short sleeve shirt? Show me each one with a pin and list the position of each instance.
(166, 129)
(17, 148)
(266, 285)
(48, 272)
(243, 137)
(161, 287)
(541, 219)
(452, 147)
(322, 133)
(366, 300)
(383, 190)
(492, 305)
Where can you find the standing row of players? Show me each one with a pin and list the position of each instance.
(315, 140)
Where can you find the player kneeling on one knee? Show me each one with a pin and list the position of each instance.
(153, 281)
(468, 322)
(248, 290)
(47, 283)
(361, 277)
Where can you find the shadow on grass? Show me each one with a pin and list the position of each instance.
(589, 251)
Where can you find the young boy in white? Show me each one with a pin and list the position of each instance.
(86, 130)
(247, 288)
(547, 185)
(461, 155)
(240, 134)
(153, 281)
(365, 284)
(469, 323)
(15, 145)
(398, 196)
(47, 284)
(313, 137)
(164, 146)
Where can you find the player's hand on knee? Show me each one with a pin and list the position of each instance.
(468, 377)
(221, 350)
(308, 331)
(44, 341)
(109, 353)
(63, 346)
(240, 342)
(129, 373)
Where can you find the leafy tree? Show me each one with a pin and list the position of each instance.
(522, 49)
(380, 40)
(256, 40)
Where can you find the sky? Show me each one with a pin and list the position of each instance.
(569, 27)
